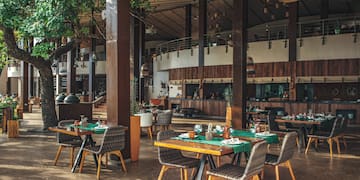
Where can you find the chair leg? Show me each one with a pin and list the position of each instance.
(149, 133)
(330, 146)
(344, 141)
(277, 172)
(72, 150)
(185, 174)
(209, 177)
(119, 154)
(106, 159)
(84, 153)
(336, 139)
(181, 174)
(256, 177)
(288, 164)
(308, 145)
(161, 174)
(99, 167)
(58, 154)
(218, 161)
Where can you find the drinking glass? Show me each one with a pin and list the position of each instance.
(198, 128)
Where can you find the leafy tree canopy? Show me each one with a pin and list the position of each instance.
(46, 19)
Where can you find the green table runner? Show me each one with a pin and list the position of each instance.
(242, 147)
(269, 138)
(90, 127)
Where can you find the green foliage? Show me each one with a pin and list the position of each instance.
(43, 50)
(140, 4)
(46, 19)
(3, 52)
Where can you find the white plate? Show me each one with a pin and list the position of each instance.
(185, 135)
(264, 134)
(232, 141)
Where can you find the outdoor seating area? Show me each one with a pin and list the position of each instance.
(43, 146)
(180, 89)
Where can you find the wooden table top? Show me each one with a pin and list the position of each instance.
(71, 133)
(298, 121)
(194, 147)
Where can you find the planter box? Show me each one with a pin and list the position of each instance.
(13, 128)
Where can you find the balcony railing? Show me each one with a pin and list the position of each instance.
(269, 32)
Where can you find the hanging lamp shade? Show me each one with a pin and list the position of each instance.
(144, 71)
(250, 67)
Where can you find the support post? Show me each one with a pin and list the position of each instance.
(202, 42)
(118, 66)
(239, 35)
(292, 24)
(70, 71)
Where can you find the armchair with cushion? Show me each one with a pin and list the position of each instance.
(172, 158)
(163, 119)
(67, 141)
(286, 153)
(253, 167)
(113, 142)
(329, 136)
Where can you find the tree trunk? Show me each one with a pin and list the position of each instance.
(47, 97)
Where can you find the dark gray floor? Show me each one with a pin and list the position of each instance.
(31, 157)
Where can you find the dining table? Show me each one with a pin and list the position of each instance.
(81, 131)
(216, 146)
(305, 125)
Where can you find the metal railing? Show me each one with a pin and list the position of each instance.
(269, 32)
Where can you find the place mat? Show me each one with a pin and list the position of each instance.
(269, 138)
(91, 127)
(217, 141)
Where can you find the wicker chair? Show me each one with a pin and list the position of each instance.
(67, 141)
(253, 167)
(286, 153)
(163, 119)
(171, 158)
(329, 136)
(146, 121)
(113, 141)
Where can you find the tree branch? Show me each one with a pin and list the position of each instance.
(16, 52)
(63, 49)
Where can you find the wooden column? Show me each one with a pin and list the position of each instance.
(202, 41)
(92, 70)
(239, 35)
(70, 71)
(142, 60)
(31, 80)
(134, 56)
(25, 86)
(118, 65)
(188, 23)
(292, 29)
(31, 71)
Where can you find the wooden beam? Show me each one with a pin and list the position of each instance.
(239, 35)
(306, 7)
(324, 9)
(178, 26)
(257, 15)
(165, 26)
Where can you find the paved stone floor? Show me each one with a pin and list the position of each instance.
(31, 157)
